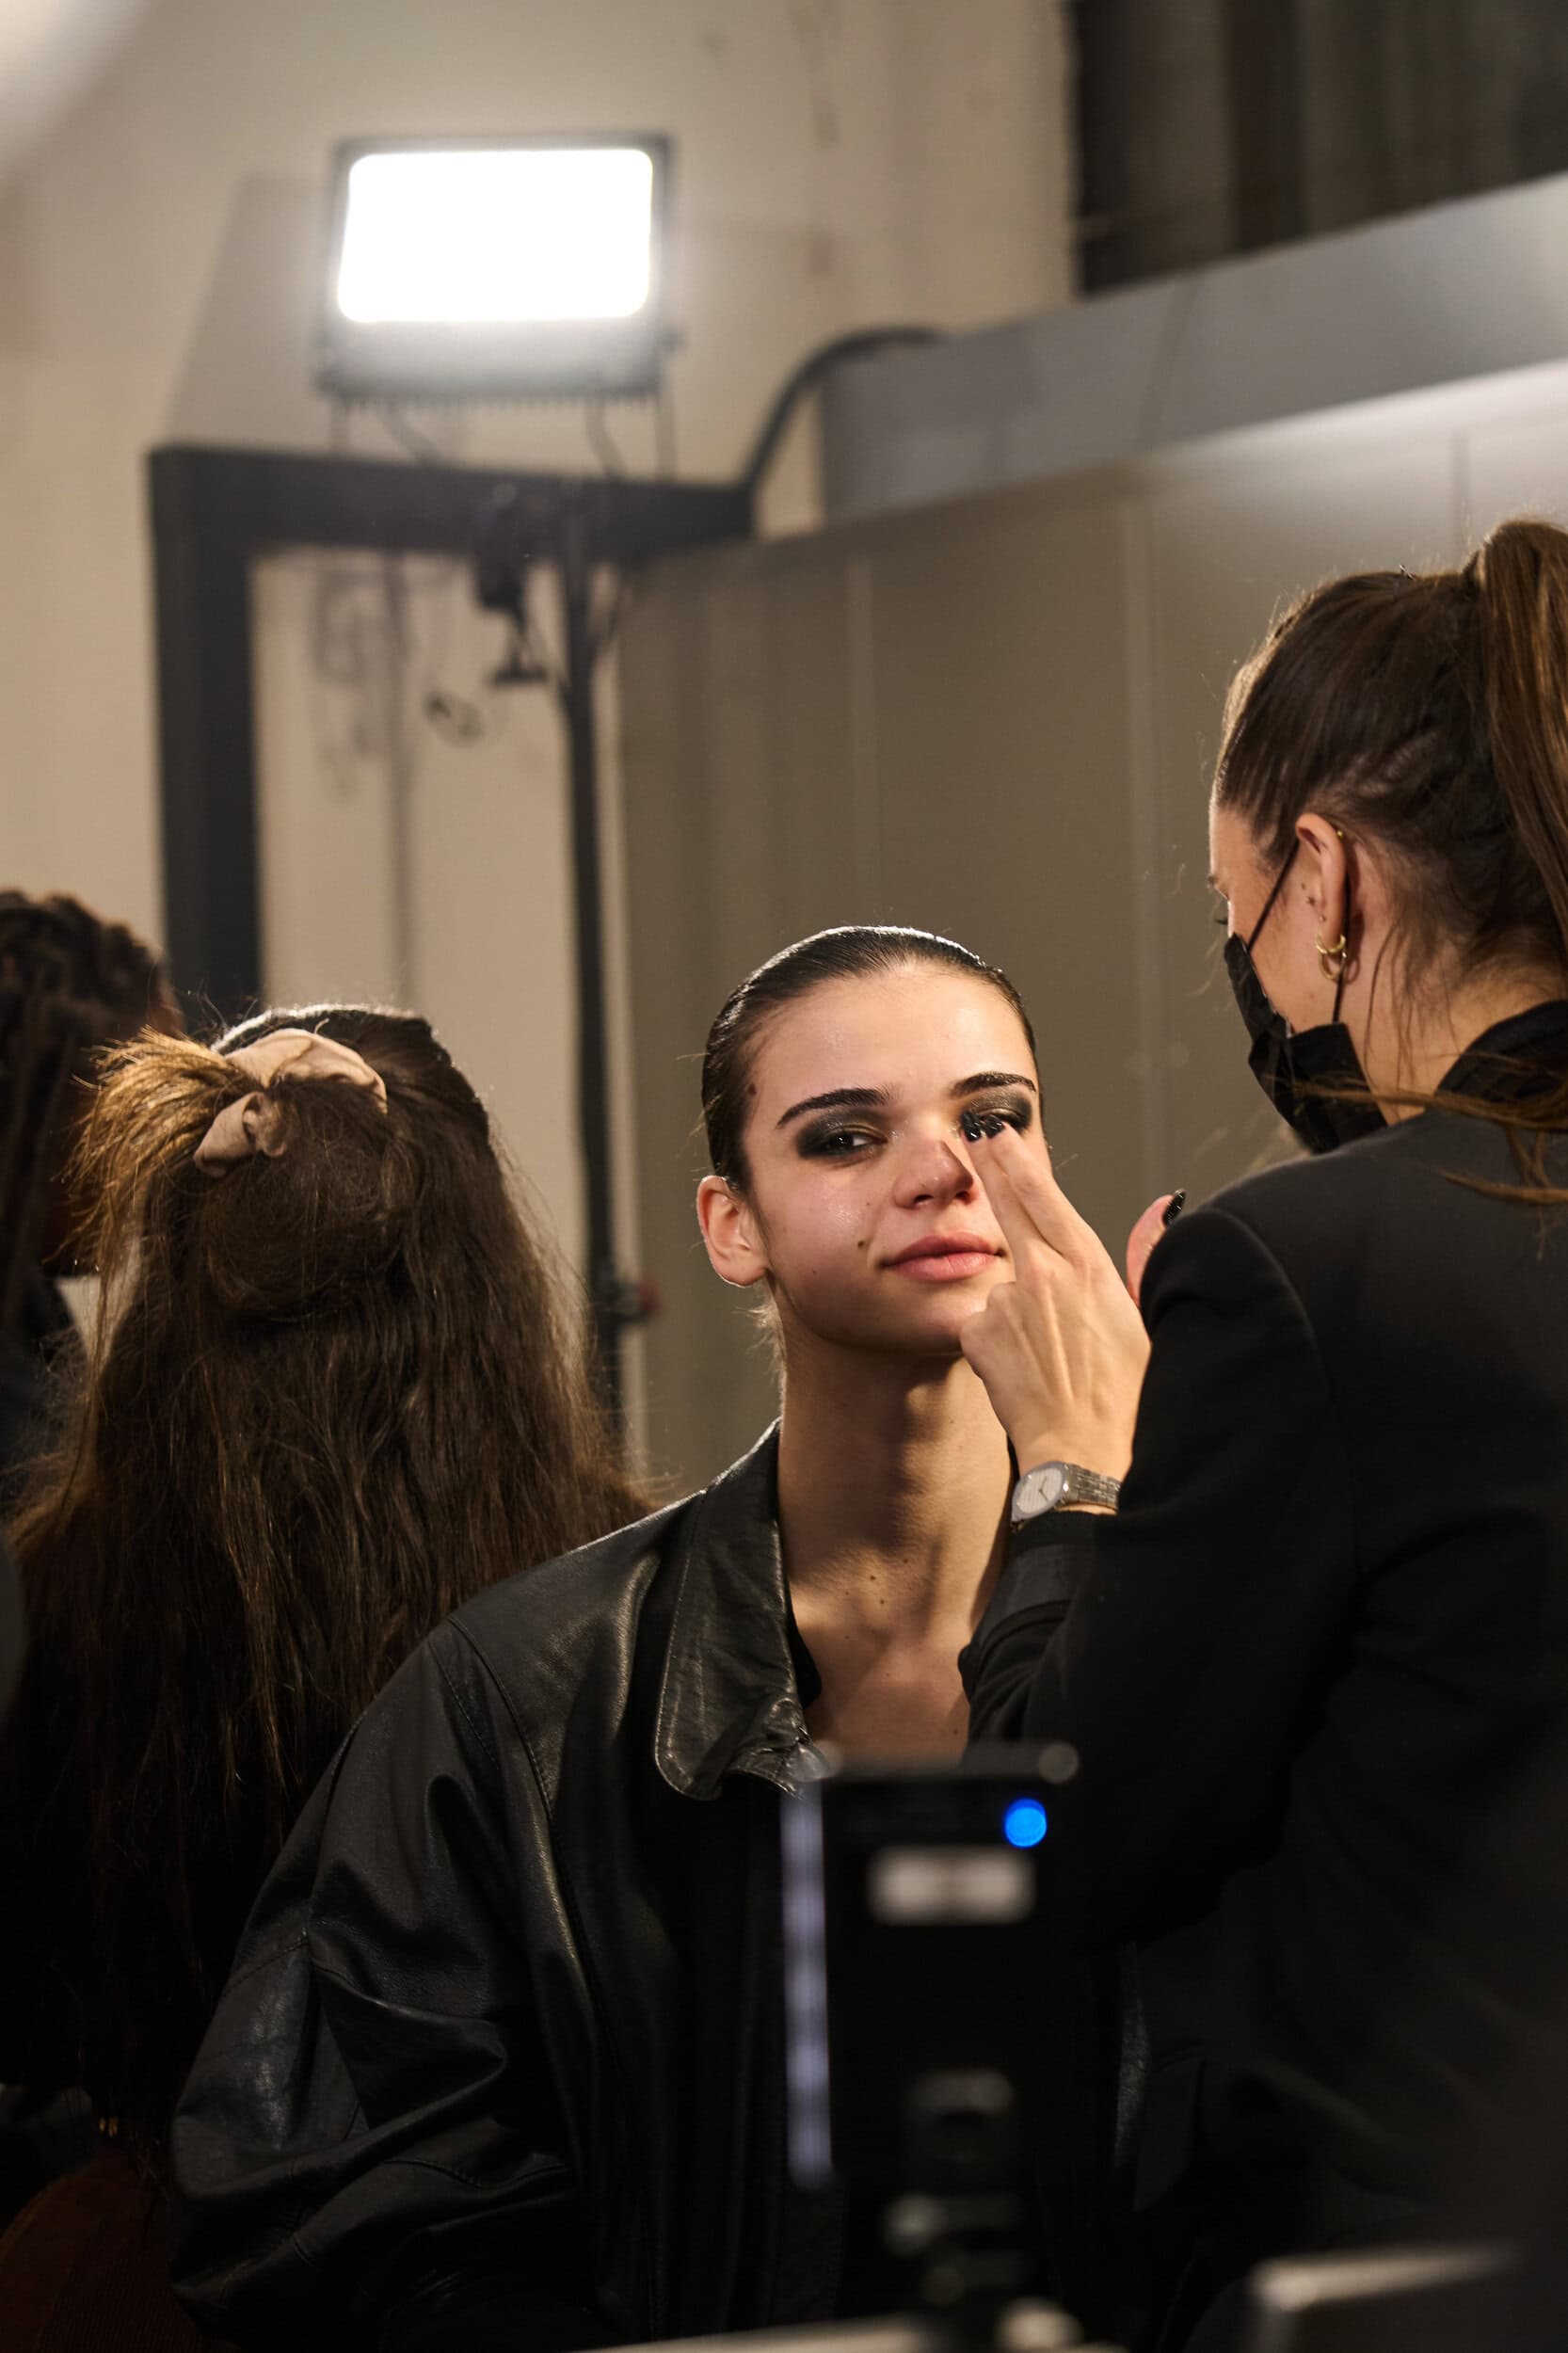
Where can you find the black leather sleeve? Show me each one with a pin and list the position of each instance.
(370, 2150)
(1175, 1644)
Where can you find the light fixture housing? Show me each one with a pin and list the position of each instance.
(495, 269)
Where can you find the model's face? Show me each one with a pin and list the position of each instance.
(864, 1214)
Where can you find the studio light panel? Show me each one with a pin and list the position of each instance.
(494, 268)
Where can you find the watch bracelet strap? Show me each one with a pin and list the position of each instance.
(1087, 1486)
(1079, 1486)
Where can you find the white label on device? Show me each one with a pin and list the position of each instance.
(915, 1883)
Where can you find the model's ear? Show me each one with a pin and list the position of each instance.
(729, 1231)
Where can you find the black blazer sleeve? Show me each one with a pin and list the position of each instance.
(1177, 1644)
(370, 2150)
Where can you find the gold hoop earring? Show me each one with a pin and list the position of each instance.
(1332, 961)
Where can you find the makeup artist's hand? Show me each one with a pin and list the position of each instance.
(1153, 1223)
(1062, 1347)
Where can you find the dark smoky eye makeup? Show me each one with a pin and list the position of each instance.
(835, 1139)
(989, 1118)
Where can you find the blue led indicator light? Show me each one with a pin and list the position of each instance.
(1024, 1823)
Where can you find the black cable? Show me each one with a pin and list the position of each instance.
(604, 445)
(663, 425)
(794, 388)
(408, 436)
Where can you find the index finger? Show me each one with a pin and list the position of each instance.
(1030, 1205)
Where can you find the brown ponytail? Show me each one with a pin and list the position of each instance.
(334, 1394)
(1522, 574)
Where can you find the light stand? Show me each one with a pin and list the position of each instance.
(216, 512)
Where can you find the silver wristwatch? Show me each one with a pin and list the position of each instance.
(1049, 1485)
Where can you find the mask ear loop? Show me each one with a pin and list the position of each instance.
(1269, 901)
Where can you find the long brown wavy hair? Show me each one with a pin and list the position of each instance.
(1429, 710)
(334, 1393)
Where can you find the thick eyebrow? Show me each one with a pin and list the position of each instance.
(840, 1098)
(984, 1081)
(876, 1098)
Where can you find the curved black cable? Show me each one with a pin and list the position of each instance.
(792, 391)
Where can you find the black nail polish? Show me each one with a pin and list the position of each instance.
(977, 1125)
(1173, 1208)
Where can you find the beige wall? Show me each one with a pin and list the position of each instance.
(839, 162)
(996, 719)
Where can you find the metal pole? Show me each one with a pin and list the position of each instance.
(593, 1083)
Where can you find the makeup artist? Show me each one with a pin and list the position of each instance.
(1290, 1562)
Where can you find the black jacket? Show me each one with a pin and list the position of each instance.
(1310, 1661)
(501, 2058)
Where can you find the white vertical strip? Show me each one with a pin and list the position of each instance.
(1151, 1067)
(865, 782)
(1463, 518)
(620, 1022)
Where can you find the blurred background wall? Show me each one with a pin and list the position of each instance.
(1210, 127)
(1014, 702)
(162, 198)
(969, 676)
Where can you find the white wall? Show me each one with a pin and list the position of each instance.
(839, 162)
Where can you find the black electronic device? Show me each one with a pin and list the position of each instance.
(931, 1966)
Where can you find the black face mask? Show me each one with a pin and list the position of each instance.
(1285, 1062)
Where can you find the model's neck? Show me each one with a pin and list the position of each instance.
(893, 1483)
(1413, 1049)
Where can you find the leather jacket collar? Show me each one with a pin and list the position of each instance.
(729, 1700)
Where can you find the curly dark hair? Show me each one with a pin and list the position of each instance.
(71, 981)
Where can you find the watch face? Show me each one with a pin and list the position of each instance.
(1040, 1490)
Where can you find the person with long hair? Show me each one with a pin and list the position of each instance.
(501, 2059)
(334, 1393)
(1311, 1652)
(72, 982)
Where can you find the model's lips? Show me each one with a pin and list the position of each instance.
(946, 1257)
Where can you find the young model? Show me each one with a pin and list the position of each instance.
(501, 2062)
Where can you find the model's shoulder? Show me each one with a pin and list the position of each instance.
(576, 1586)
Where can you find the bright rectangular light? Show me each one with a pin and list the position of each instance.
(489, 267)
(501, 234)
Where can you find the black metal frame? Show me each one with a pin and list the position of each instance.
(214, 512)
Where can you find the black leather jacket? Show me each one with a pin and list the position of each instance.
(500, 2059)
